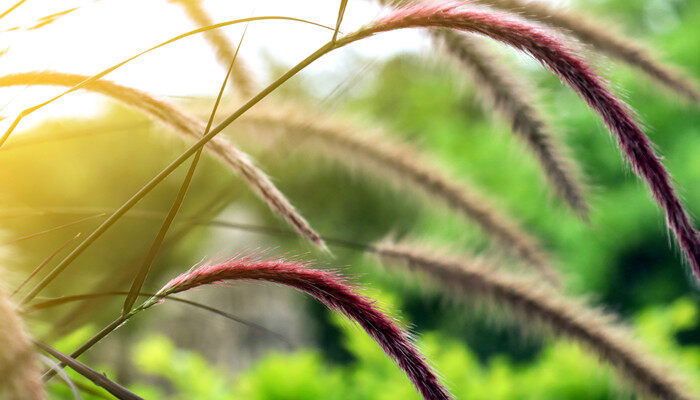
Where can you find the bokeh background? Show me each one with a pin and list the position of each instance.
(88, 155)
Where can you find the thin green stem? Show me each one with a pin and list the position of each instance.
(142, 273)
(95, 377)
(43, 264)
(341, 13)
(54, 229)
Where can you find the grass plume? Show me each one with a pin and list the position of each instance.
(187, 126)
(398, 160)
(20, 376)
(540, 305)
(604, 38)
(511, 98)
(335, 293)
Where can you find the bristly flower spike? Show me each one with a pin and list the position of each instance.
(331, 290)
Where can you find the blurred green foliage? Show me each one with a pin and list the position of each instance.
(621, 258)
(561, 371)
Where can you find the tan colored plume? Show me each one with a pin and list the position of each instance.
(189, 127)
(542, 306)
(20, 376)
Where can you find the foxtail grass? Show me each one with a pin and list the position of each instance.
(187, 126)
(604, 38)
(381, 155)
(536, 41)
(335, 293)
(553, 52)
(511, 98)
(20, 376)
(540, 306)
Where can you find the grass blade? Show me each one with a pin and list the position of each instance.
(341, 13)
(95, 377)
(54, 229)
(43, 264)
(142, 273)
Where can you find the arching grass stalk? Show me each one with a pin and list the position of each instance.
(605, 39)
(325, 286)
(142, 272)
(331, 290)
(189, 127)
(542, 307)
